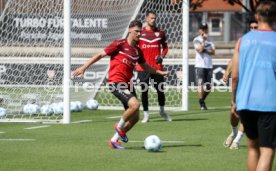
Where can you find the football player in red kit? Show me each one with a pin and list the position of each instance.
(154, 46)
(124, 54)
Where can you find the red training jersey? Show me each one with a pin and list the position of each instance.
(151, 42)
(123, 58)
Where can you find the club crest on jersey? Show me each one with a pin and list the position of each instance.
(157, 34)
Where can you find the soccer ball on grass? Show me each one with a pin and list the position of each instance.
(152, 143)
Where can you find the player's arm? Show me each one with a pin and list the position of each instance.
(152, 70)
(235, 75)
(199, 46)
(80, 71)
(164, 44)
(210, 51)
(227, 71)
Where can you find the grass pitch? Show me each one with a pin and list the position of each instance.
(192, 142)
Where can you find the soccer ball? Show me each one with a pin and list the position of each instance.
(152, 143)
(73, 107)
(79, 106)
(46, 110)
(57, 107)
(2, 112)
(31, 109)
(92, 104)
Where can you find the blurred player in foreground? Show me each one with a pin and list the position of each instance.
(254, 88)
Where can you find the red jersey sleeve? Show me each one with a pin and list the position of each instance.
(113, 48)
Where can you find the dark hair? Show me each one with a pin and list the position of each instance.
(135, 23)
(252, 21)
(150, 12)
(266, 11)
(203, 26)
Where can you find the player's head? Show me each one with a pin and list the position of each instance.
(134, 29)
(151, 18)
(203, 28)
(266, 12)
(253, 24)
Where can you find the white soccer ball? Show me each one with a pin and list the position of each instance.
(79, 106)
(31, 109)
(57, 107)
(73, 107)
(2, 112)
(46, 110)
(152, 143)
(92, 104)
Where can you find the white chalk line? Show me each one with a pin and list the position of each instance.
(38, 127)
(19, 139)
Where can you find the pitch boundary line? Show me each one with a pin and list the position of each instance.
(38, 127)
(19, 139)
(81, 121)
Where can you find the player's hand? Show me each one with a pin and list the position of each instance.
(79, 72)
(234, 110)
(163, 73)
(159, 59)
(225, 78)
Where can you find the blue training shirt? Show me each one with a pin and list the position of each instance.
(256, 89)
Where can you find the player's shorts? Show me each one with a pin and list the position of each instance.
(203, 75)
(261, 126)
(123, 92)
(144, 78)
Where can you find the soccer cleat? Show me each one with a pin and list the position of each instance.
(166, 116)
(202, 105)
(227, 143)
(121, 133)
(146, 119)
(115, 145)
(234, 146)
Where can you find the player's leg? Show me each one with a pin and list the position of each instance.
(249, 120)
(253, 155)
(267, 140)
(207, 81)
(234, 121)
(199, 81)
(159, 85)
(236, 141)
(143, 78)
(131, 105)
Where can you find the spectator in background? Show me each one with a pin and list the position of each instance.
(203, 64)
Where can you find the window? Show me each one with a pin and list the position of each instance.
(215, 26)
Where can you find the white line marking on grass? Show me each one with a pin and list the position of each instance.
(38, 127)
(81, 121)
(136, 141)
(17, 139)
(2, 132)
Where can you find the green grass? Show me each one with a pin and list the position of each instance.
(81, 147)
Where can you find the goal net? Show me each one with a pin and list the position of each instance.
(31, 53)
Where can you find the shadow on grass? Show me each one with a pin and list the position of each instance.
(180, 119)
(166, 146)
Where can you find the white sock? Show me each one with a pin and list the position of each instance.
(234, 130)
(121, 123)
(162, 110)
(238, 137)
(146, 113)
(115, 137)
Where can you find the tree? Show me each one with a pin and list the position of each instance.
(252, 4)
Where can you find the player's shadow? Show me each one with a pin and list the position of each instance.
(166, 146)
(179, 119)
